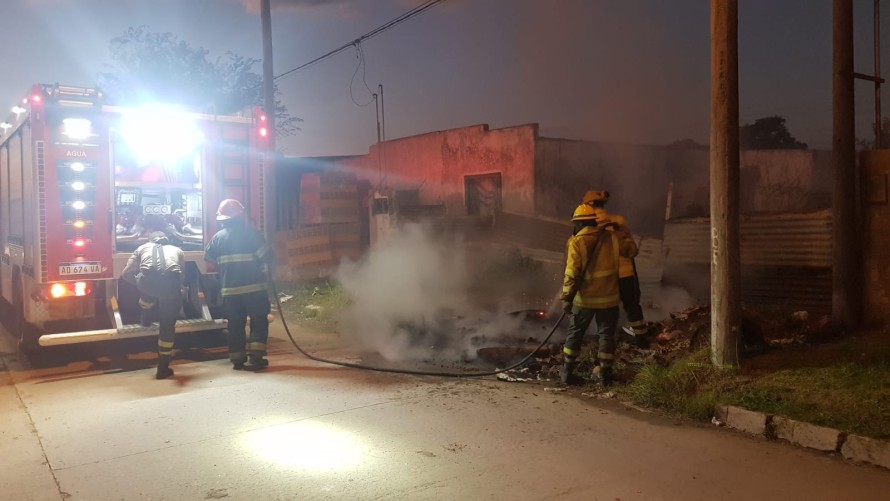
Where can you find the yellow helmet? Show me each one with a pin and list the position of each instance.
(584, 212)
(595, 196)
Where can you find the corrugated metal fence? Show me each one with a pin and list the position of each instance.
(786, 258)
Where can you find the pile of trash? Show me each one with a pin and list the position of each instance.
(667, 340)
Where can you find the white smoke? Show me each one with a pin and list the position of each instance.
(410, 301)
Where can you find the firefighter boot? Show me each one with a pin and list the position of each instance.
(164, 370)
(256, 363)
(567, 374)
(605, 376)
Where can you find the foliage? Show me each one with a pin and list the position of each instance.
(870, 144)
(313, 303)
(768, 133)
(148, 66)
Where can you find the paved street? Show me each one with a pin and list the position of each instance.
(89, 422)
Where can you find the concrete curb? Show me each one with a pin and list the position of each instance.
(852, 447)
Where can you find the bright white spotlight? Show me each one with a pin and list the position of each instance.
(78, 205)
(77, 166)
(307, 446)
(78, 185)
(160, 133)
(77, 128)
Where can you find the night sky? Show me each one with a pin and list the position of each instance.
(632, 71)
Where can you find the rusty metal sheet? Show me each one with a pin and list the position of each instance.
(766, 240)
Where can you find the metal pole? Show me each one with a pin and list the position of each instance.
(383, 122)
(271, 207)
(724, 159)
(845, 279)
(879, 125)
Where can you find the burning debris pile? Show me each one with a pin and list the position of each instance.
(666, 341)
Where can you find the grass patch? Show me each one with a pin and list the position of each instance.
(850, 397)
(853, 396)
(690, 387)
(315, 304)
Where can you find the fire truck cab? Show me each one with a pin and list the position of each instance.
(83, 184)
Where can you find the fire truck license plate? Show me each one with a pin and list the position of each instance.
(88, 268)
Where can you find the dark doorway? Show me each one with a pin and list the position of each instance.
(483, 194)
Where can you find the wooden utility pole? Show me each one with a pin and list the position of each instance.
(725, 274)
(271, 207)
(845, 297)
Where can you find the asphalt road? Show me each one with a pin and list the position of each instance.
(89, 422)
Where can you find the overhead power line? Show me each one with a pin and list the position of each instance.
(380, 29)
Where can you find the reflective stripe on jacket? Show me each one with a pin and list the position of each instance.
(239, 252)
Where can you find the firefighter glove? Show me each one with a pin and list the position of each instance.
(567, 307)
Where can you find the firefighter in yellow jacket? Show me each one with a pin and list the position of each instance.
(628, 282)
(590, 289)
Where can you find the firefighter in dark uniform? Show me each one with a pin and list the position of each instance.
(156, 269)
(590, 290)
(241, 255)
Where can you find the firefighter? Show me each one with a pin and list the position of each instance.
(241, 255)
(590, 290)
(156, 268)
(628, 281)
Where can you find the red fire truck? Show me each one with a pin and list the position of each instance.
(82, 184)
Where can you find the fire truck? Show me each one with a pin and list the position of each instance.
(84, 183)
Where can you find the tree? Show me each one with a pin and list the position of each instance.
(768, 133)
(147, 66)
(870, 143)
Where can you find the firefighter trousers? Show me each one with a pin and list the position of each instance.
(606, 324)
(629, 290)
(237, 308)
(163, 290)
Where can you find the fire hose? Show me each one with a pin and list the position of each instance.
(407, 371)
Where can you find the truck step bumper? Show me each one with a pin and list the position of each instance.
(128, 331)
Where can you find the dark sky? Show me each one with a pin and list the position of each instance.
(630, 71)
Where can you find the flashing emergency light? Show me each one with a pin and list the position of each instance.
(78, 166)
(264, 132)
(79, 224)
(78, 205)
(77, 128)
(35, 98)
(79, 243)
(78, 186)
(57, 290)
(160, 133)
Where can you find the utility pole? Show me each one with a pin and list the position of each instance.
(845, 305)
(724, 165)
(269, 185)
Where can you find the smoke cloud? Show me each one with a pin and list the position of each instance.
(410, 301)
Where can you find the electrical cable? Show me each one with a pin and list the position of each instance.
(380, 29)
(407, 371)
(360, 55)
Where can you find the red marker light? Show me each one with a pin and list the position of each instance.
(264, 132)
(79, 242)
(262, 118)
(35, 98)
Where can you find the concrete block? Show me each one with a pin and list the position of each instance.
(806, 434)
(868, 450)
(743, 419)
